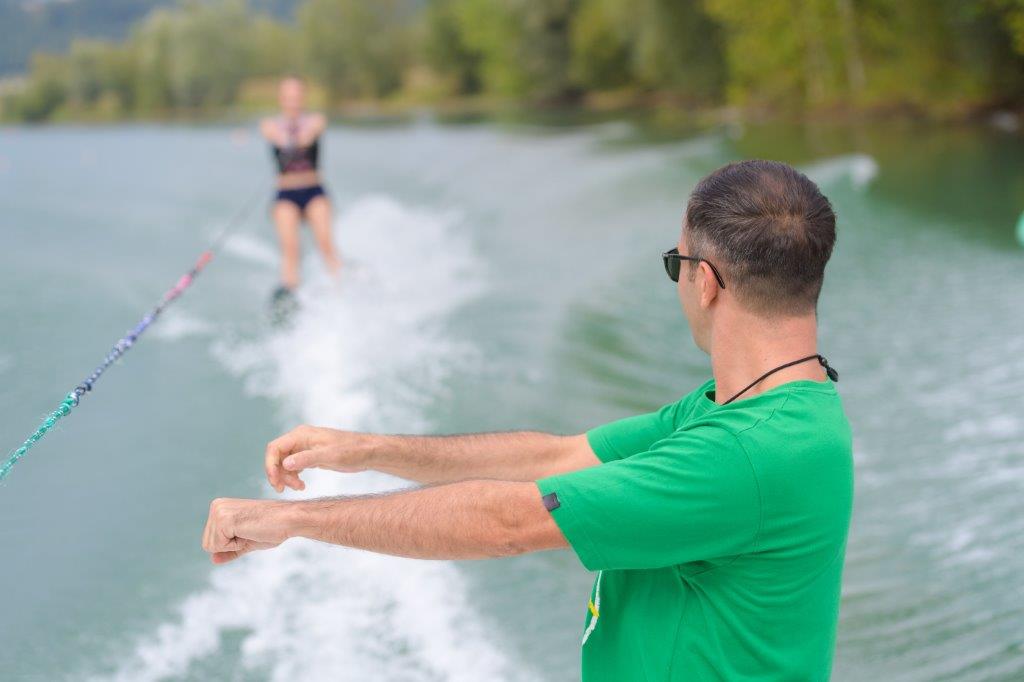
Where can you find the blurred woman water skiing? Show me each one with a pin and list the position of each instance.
(294, 136)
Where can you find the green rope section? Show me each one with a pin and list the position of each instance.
(65, 408)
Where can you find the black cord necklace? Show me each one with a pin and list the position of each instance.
(832, 374)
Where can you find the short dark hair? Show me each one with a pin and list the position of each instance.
(768, 228)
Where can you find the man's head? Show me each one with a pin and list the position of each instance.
(291, 95)
(768, 231)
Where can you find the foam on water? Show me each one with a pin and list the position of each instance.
(251, 249)
(860, 169)
(369, 353)
(178, 324)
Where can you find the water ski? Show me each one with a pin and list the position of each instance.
(283, 306)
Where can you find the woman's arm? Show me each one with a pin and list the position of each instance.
(268, 128)
(315, 125)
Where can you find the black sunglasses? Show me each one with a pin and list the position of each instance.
(673, 261)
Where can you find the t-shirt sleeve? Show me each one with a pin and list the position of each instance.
(690, 497)
(626, 437)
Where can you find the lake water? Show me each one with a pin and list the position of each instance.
(502, 277)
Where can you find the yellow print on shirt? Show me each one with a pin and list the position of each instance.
(595, 609)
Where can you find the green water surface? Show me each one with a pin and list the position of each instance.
(502, 277)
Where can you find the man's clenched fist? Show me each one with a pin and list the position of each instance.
(236, 527)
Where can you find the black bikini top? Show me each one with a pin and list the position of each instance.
(292, 158)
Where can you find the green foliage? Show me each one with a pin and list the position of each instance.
(543, 48)
(781, 55)
(53, 25)
(193, 57)
(1011, 14)
(355, 48)
(651, 44)
(272, 48)
(446, 50)
(28, 27)
(47, 89)
(928, 54)
(491, 30)
(523, 46)
(600, 47)
(677, 47)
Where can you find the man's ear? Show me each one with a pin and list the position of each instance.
(708, 284)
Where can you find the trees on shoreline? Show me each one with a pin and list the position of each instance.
(791, 56)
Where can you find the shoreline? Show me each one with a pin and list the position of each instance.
(659, 110)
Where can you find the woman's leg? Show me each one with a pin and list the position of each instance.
(318, 213)
(286, 220)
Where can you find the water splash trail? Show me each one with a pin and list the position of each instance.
(73, 398)
(375, 355)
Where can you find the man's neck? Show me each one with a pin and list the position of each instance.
(745, 346)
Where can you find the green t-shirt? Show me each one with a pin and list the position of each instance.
(719, 533)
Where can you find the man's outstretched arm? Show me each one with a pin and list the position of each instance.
(466, 520)
(512, 456)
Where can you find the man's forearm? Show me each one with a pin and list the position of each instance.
(467, 520)
(510, 456)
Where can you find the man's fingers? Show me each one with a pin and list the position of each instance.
(298, 439)
(300, 460)
(307, 459)
(214, 540)
(292, 480)
(289, 476)
(243, 547)
(224, 534)
(209, 531)
(224, 557)
(206, 531)
(220, 543)
(217, 537)
(278, 449)
(296, 482)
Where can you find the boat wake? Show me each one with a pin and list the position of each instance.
(368, 352)
(859, 169)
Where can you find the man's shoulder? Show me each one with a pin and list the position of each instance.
(800, 430)
(792, 407)
(684, 410)
(803, 422)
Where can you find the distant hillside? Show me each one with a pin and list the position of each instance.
(27, 26)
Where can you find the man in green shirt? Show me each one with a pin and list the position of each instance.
(717, 525)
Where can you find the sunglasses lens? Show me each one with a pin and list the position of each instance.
(672, 268)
